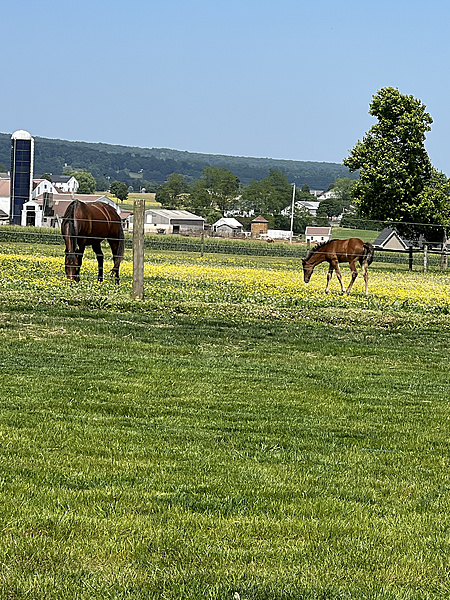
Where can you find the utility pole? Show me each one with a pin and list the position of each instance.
(292, 215)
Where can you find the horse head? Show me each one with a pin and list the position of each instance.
(72, 267)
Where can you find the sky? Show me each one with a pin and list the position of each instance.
(288, 79)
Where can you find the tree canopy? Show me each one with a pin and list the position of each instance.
(170, 194)
(397, 181)
(216, 191)
(85, 180)
(119, 189)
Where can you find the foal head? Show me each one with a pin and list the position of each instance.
(308, 268)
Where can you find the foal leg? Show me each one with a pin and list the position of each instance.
(97, 248)
(366, 277)
(329, 276)
(339, 276)
(354, 276)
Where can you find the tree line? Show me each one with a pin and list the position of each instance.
(150, 167)
(219, 192)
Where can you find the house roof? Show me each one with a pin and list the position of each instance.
(386, 235)
(260, 219)
(174, 214)
(318, 230)
(3, 215)
(229, 222)
(309, 204)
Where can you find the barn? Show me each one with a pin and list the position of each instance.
(227, 227)
(160, 220)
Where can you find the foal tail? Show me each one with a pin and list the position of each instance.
(367, 255)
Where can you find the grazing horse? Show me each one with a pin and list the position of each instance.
(334, 252)
(87, 225)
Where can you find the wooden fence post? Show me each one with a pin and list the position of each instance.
(138, 249)
(425, 258)
(410, 258)
(444, 257)
(202, 243)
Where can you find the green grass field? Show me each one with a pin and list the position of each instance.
(213, 443)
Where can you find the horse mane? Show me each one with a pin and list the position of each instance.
(315, 249)
(68, 226)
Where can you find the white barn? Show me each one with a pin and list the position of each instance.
(316, 235)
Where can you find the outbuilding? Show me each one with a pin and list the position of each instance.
(316, 235)
(227, 227)
(389, 239)
(160, 220)
(259, 226)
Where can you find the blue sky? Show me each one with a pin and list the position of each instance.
(285, 79)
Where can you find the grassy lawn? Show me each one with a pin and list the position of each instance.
(343, 233)
(203, 445)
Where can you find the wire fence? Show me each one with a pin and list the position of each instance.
(413, 259)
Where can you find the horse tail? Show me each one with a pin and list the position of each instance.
(121, 246)
(368, 253)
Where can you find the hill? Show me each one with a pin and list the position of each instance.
(129, 164)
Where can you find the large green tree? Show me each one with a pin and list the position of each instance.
(397, 181)
(172, 193)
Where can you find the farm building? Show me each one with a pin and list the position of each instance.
(259, 226)
(310, 205)
(389, 239)
(227, 227)
(48, 210)
(159, 220)
(317, 234)
(5, 186)
(279, 234)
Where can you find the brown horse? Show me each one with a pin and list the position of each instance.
(87, 225)
(334, 252)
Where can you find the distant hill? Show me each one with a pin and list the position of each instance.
(128, 164)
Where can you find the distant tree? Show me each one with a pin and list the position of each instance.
(172, 192)
(343, 190)
(302, 218)
(330, 207)
(85, 180)
(101, 184)
(269, 196)
(47, 176)
(199, 200)
(222, 186)
(3, 168)
(119, 190)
